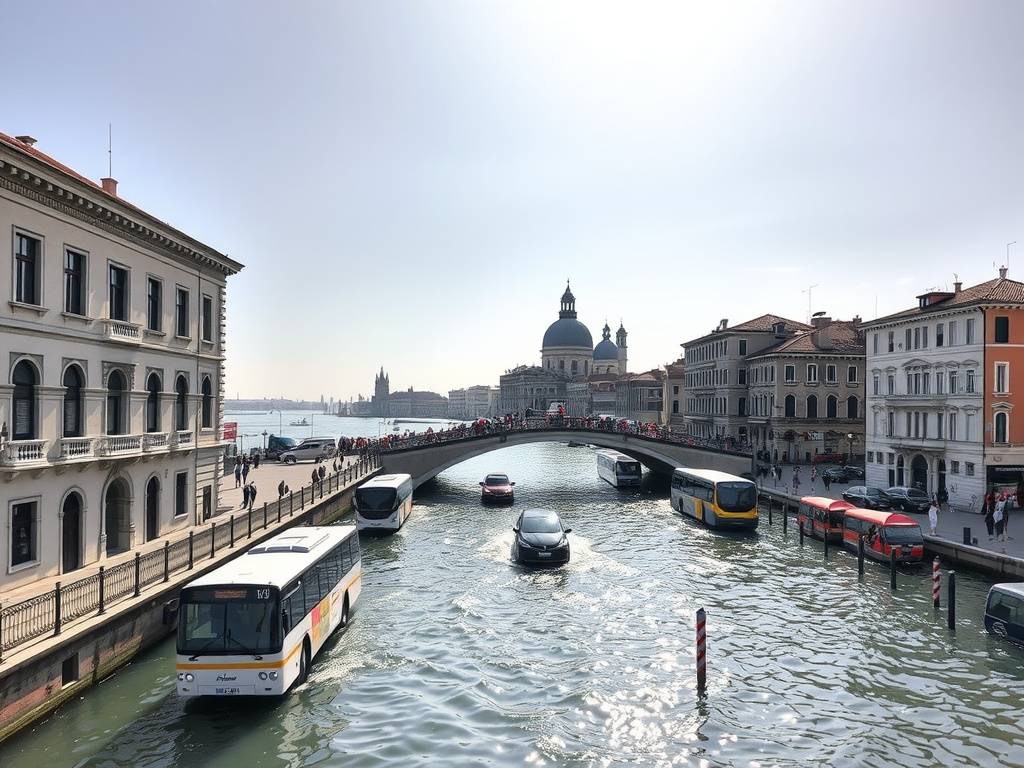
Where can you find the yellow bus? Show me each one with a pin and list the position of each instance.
(717, 499)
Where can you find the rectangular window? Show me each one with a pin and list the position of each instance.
(954, 467)
(925, 382)
(743, 347)
(1002, 329)
(917, 424)
(917, 338)
(812, 374)
(952, 333)
(74, 282)
(938, 425)
(969, 331)
(891, 382)
(968, 465)
(924, 426)
(939, 334)
(940, 383)
(742, 374)
(891, 341)
(909, 424)
(924, 337)
(790, 374)
(953, 384)
(118, 293)
(207, 502)
(181, 494)
(181, 316)
(830, 374)
(952, 426)
(1002, 378)
(851, 374)
(154, 304)
(874, 384)
(968, 424)
(970, 381)
(207, 319)
(24, 533)
(26, 269)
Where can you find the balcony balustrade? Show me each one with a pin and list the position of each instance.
(76, 447)
(184, 438)
(118, 330)
(118, 445)
(17, 453)
(155, 441)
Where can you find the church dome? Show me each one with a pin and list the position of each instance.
(567, 331)
(606, 349)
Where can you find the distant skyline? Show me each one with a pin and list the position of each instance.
(409, 184)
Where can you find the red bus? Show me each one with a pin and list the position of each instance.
(820, 517)
(883, 531)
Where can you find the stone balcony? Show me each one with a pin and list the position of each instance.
(119, 330)
(24, 453)
(18, 454)
(76, 448)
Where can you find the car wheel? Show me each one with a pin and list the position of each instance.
(290, 460)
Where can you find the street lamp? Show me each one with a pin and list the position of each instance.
(280, 420)
(849, 453)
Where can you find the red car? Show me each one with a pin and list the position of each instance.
(497, 489)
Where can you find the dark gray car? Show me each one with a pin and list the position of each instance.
(540, 538)
(908, 499)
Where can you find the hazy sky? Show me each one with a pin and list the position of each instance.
(410, 183)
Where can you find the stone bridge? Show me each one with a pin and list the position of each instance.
(424, 459)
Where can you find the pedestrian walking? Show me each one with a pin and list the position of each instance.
(252, 495)
(322, 474)
(827, 480)
(238, 472)
(256, 461)
(245, 471)
(315, 476)
(814, 475)
(999, 520)
(245, 496)
(990, 522)
(933, 514)
(280, 489)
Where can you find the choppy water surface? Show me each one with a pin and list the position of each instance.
(457, 657)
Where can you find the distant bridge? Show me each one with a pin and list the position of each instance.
(425, 458)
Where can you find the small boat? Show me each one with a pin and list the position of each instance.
(574, 444)
(301, 423)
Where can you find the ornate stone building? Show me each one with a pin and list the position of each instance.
(408, 403)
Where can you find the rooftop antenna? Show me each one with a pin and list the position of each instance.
(110, 150)
(808, 292)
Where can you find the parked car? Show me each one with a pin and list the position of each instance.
(497, 489)
(836, 475)
(312, 449)
(540, 538)
(908, 499)
(867, 497)
(855, 472)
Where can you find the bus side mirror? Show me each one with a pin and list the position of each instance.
(515, 529)
(511, 483)
(567, 531)
(481, 483)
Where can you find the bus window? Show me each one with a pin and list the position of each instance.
(1006, 608)
(737, 497)
(898, 535)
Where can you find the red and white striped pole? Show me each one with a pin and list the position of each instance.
(702, 658)
(936, 582)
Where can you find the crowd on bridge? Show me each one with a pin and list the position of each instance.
(516, 422)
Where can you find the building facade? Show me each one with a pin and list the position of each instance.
(407, 403)
(111, 408)
(941, 394)
(806, 394)
(638, 396)
(471, 403)
(674, 396)
(716, 374)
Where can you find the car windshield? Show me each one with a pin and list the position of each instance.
(902, 534)
(737, 497)
(229, 620)
(541, 524)
(914, 493)
(496, 480)
(873, 492)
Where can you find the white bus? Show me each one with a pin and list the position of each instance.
(618, 468)
(717, 499)
(383, 503)
(252, 626)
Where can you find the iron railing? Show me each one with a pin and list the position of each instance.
(48, 613)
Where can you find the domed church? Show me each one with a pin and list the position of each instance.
(569, 348)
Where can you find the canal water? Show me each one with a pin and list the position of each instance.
(456, 657)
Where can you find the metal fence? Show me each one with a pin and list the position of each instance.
(49, 612)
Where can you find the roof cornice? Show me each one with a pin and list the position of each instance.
(22, 175)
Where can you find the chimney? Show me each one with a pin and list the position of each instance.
(856, 321)
(957, 286)
(723, 324)
(819, 321)
(109, 186)
(1002, 273)
(30, 140)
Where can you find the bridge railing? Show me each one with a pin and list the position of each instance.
(53, 608)
(651, 432)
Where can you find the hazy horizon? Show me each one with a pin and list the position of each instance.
(409, 184)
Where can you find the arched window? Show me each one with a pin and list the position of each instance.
(153, 403)
(152, 509)
(25, 381)
(116, 403)
(831, 404)
(73, 382)
(790, 406)
(812, 406)
(181, 404)
(71, 532)
(207, 403)
(1001, 427)
(851, 407)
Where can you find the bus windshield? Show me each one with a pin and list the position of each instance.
(737, 497)
(628, 467)
(229, 620)
(902, 534)
(376, 499)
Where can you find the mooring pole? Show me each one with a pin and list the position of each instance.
(702, 658)
(936, 582)
(951, 600)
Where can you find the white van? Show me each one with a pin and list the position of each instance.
(310, 449)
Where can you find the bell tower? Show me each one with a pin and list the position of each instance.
(620, 342)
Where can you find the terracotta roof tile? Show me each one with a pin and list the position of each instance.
(1001, 290)
(766, 323)
(843, 339)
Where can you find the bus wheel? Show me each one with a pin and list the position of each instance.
(303, 664)
(344, 612)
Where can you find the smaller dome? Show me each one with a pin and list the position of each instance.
(606, 350)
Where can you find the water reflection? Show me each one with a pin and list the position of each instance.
(456, 656)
